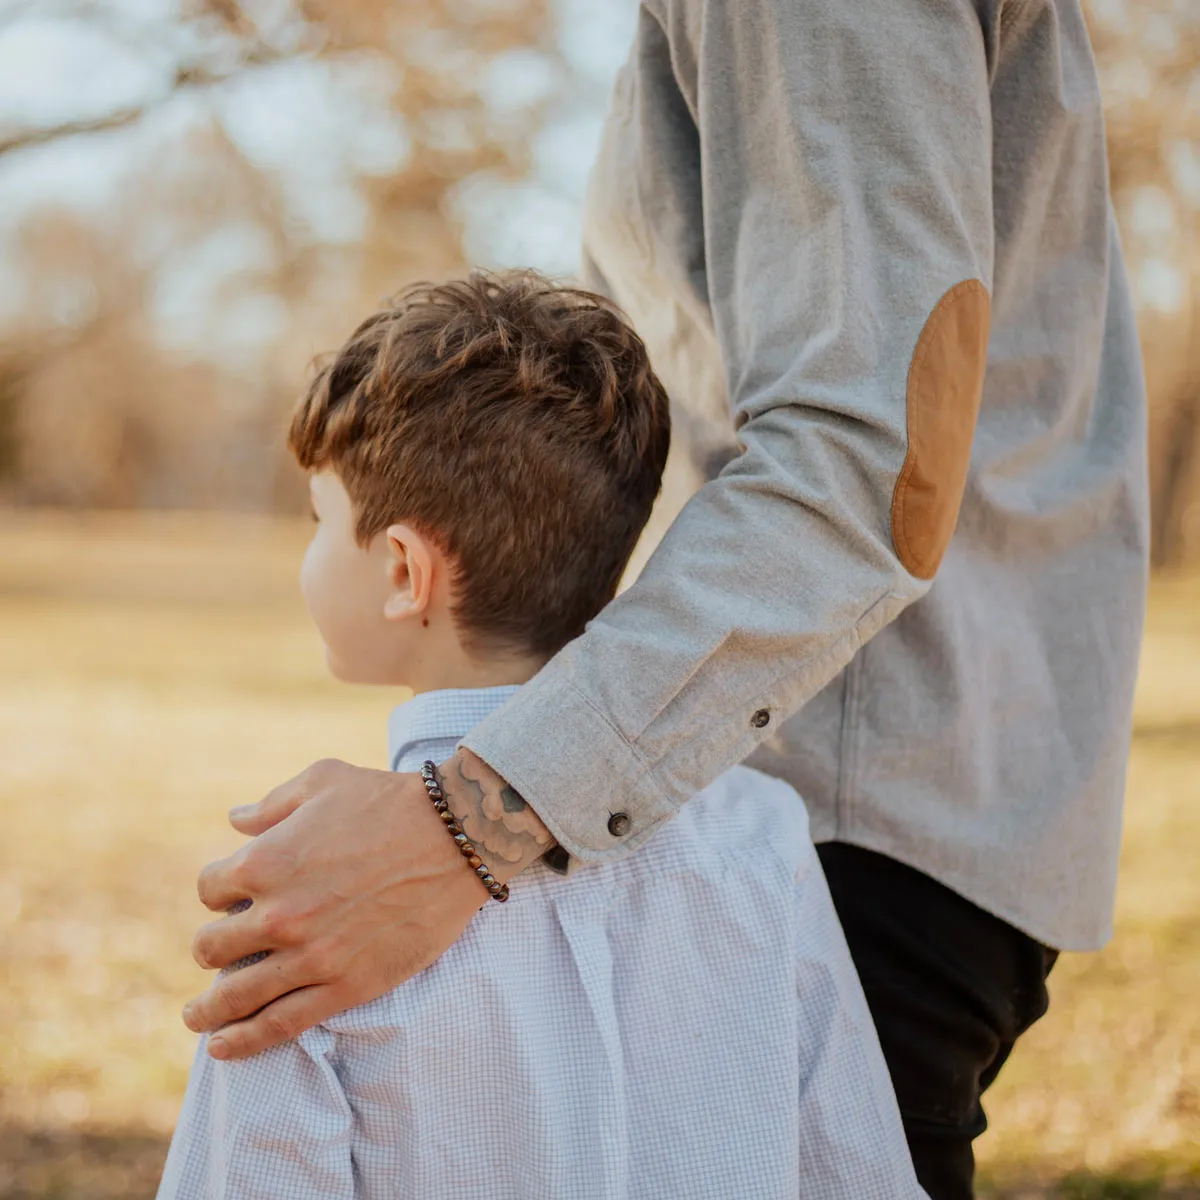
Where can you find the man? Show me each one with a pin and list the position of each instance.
(879, 236)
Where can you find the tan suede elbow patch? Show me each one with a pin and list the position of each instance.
(945, 383)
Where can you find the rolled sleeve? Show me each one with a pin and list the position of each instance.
(843, 247)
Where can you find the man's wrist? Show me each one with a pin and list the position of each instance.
(506, 833)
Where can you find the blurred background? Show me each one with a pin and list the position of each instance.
(198, 196)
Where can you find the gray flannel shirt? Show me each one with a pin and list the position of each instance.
(827, 220)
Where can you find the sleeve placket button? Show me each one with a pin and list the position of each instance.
(760, 718)
(618, 824)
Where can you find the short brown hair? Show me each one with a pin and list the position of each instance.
(515, 421)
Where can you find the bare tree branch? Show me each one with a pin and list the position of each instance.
(187, 77)
(52, 133)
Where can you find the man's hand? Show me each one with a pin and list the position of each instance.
(355, 888)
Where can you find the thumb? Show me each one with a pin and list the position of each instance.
(275, 806)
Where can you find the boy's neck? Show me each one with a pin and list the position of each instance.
(455, 671)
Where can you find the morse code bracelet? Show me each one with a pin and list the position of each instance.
(496, 889)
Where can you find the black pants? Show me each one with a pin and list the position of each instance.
(951, 989)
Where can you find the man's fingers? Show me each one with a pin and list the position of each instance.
(221, 884)
(352, 889)
(280, 1021)
(240, 994)
(282, 801)
(222, 943)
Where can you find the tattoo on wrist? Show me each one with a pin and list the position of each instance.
(492, 813)
(512, 800)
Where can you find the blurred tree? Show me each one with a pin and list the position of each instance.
(97, 405)
(1148, 53)
(160, 333)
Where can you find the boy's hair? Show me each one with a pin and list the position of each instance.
(514, 421)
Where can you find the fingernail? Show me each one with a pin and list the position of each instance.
(240, 810)
(218, 1048)
(188, 1015)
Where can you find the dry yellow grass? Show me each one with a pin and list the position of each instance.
(155, 671)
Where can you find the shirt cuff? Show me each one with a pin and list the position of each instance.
(583, 779)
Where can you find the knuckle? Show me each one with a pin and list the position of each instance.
(251, 874)
(322, 770)
(318, 962)
(230, 1002)
(235, 1040)
(202, 949)
(204, 885)
(278, 925)
(279, 1026)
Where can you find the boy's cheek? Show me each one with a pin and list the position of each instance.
(314, 588)
(306, 570)
(316, 596)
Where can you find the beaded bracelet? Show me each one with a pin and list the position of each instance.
(496, 889)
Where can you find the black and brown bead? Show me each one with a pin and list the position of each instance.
(496, 889)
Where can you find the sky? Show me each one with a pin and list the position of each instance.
(314, 125)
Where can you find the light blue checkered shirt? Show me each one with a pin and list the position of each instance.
(684, 1024)
(431, 725)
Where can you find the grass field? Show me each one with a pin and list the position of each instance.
(155, 671)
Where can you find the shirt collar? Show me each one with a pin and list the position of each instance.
(447, 714)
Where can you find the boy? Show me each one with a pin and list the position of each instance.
(483, 456)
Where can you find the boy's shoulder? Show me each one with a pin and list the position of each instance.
(743, 780)
(743, 840)
(744, 786)
(745, 809)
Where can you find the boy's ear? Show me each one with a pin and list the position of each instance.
(410, 573)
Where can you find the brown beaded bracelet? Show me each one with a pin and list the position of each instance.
(496, 889)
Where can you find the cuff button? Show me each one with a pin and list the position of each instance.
(760, 718)
(618, 824)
